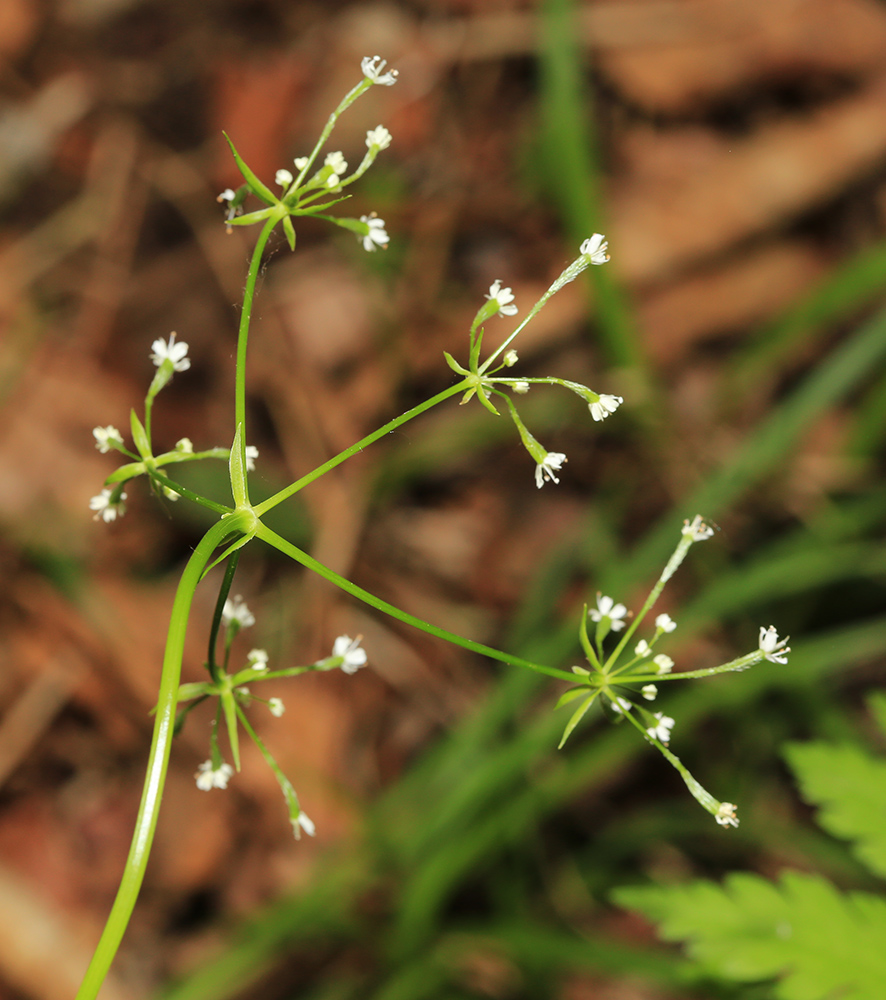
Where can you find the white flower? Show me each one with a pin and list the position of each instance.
(772, 649)
(604, 406)
(251, 456)
(661, 731)
(171, 351)
(726, 815)
(503, 297)
(170, 494)
(649, 692)
(373, 67)
(227, 195)
(209, 777)
(511, 358)
(545, 469)
(642, 648)
(257, 659)
(607, 608)
(376, 237)
(664, 663)
(621, 705)
(300, 162)
(354, 655)
(337, 161)
(283, 177)
(595, 248)
(379, 137)
(520, 387)
(277, 707)
(106, 438)
(184, 446)
(236, 611)
(302, 822)
(698, 530)
(105, 508)
(665, 623)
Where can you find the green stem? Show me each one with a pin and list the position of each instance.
(678, 556)
(741, 663)
(272, 538)
(243, 334)
(346, 102)
(157, 764)
(512, 336)
(321, 470)
(223, 592)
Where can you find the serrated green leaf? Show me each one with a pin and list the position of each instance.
(819, 943)
(849, 787)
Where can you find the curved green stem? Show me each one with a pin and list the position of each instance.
(157, 764)
(321, 470)
(243, 334)
(278, 542)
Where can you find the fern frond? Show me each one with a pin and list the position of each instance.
(819, 943)
(849, 787)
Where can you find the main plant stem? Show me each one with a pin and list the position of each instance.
(158, 762)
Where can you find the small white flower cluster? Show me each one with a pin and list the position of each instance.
(592, 250)
(595, 248)
(545, 469)
(604, 406)
(373, 69)
(664, 663)
(337, 165)
(725, 815)
(302, 822)
(176, 353)
(376, 236)
(774, 650)
(665, 623)
(503, 298)
(378, 138)
(107, 508)
(256, 658)
(661, 731)
(696, 529)
(607, 608)
(236, 610)
(209, 777)
(107, 438)
(354, 655)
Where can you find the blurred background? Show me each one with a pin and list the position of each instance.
(734, 153)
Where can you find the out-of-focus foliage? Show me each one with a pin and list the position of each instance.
(818, 941)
